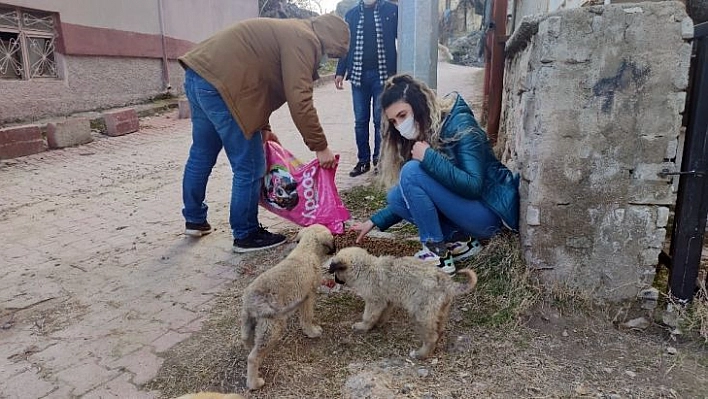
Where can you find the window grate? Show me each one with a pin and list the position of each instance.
(10, 56)
(41, 57)
(27, 44)
(38, 21)
(9, 17)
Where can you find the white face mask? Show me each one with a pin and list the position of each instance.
(369, 2)
(408, 129)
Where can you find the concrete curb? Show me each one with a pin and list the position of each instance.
(98, 122)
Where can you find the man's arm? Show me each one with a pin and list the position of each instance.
(297, 67)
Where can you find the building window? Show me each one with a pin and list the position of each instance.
(27, 44)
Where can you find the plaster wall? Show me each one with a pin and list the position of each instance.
(90, 83)
(191, 20)
(109, 53)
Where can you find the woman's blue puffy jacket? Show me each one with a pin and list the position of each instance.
(468, 167)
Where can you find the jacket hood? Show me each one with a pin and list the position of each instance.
(333, 33)
(460, 111)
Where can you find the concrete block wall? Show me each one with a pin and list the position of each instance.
(591, 112)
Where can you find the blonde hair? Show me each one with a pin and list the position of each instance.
(429, 114)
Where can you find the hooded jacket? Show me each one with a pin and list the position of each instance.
(468, 167)
(260, 64)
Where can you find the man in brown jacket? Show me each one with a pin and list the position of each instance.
(234, 81)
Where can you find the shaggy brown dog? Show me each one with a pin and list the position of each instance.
(288, 286)
(420, 288)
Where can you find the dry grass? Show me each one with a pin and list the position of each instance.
(486, 350)
(363, 201)
(505, 290)
(694, 316)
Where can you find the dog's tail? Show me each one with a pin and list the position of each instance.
(262, 308)
(462, 288)
(265, 308)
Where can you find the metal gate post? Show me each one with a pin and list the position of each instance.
(692, 200)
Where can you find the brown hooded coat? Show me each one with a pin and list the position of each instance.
(258, 65)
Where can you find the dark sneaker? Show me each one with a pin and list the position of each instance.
(464, 248)
(438, 254)
(258, 240)
(376, 166)
(360, 169)
(197, 229)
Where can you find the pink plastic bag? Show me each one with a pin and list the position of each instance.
(305, 194)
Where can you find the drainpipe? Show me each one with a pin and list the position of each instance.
(165, 63)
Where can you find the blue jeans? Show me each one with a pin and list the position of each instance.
(362, 96)
(213, 128)
(436, 211)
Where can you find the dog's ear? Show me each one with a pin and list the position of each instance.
(336, 266)
(299, 235)
(325, 236)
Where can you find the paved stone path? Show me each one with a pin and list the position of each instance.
(96, 278)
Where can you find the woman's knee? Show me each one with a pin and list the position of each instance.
(411, 173)
(394, 196)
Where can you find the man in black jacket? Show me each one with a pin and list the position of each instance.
(373, 26)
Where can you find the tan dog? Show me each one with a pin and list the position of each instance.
(420, 288)
(288, 286)
(211, 395)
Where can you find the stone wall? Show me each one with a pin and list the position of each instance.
(591, 113)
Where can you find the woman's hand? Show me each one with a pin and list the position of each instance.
(363, 228)
(418, 151)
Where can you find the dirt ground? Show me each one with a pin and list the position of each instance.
(551, 350)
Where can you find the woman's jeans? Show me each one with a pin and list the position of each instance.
(362, 97)
(437, 211)
(213, 128)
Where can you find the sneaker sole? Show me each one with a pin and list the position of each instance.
(471, 252)
(197, 233)
(240, 250)
(450, 270)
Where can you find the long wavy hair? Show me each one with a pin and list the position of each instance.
(428, 112)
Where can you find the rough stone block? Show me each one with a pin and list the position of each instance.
(662, 216)
(533, 216)
(69, 133)
(184, 110)
(687, 28)
(19, 141)
(121, 122)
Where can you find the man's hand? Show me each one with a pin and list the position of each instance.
(363, 228)
(418, 151)
(326, 158)
(339, 82)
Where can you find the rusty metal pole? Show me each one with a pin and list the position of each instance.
(497, 31)
(487, 74)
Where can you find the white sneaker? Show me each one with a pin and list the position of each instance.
(464, 249)
(444, 262)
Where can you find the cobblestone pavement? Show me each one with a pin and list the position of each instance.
(96, 277)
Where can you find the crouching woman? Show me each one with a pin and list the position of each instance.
(441, 174)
